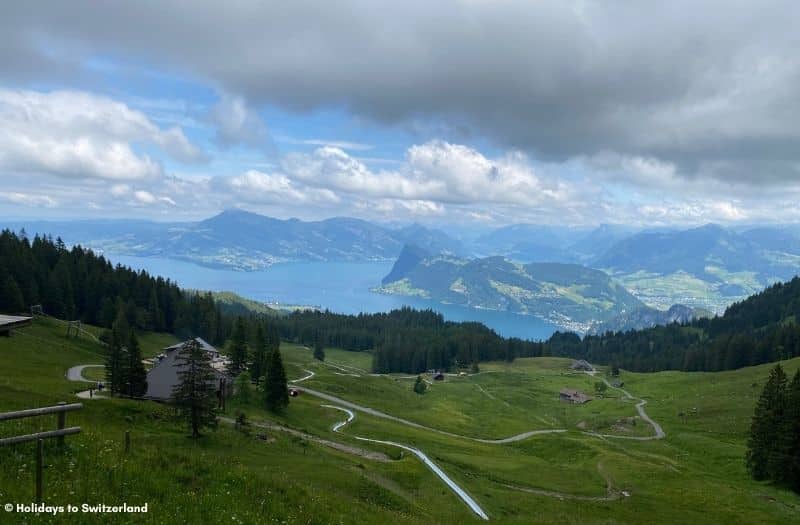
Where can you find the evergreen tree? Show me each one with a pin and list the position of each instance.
(11, 298)
(136, 374)
(238, 348)
(792, 432)
(195, 393)
(260, 353)
(276, 391)
(420, 386)
(242, 387)
(763, 455)
(319, 350)
(116, 356)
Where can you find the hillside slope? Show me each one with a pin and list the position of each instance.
(569, 295)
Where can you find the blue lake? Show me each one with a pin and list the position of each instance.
(338, 286)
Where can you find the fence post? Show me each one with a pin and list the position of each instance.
(62, 416)
(127, 441)
(39, 452)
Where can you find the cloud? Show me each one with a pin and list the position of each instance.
(237, 123)
(257, 187)
(27, 199)
(82, 135)
(435, 171)
(711, 90)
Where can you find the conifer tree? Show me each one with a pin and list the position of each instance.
(116, 354)
(792, 432)
(242, 387)
(764, 457)
(195, 393)
(11, 298)
(238, 348)
(276, 391)
(260, 353)
(136, 374)
(319, 350)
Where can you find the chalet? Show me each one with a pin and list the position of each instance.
(8, 323)
(163, 377)
(573, 396)
(582, 365)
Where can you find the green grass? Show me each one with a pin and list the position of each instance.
(695, 475)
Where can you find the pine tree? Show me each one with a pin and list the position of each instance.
(238, 348)
(116, 355)
(260, 354)
(420, 386)
(136, 374)
(276, 391)
(11, 299)
(792, 432)
(764, 458)
(242, 387)
(195, 393)
(319, 350)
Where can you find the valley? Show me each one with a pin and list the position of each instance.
(695, 472)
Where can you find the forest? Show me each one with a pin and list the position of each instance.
(759, 329)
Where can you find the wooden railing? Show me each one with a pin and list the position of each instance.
(61, 410)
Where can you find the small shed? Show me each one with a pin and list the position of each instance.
(8, 323)
(573, 396)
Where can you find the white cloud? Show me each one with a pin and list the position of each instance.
(81, 135)
(27, 199)
(237, 123)
(436, 171)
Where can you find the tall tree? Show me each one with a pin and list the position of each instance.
(258, 366)
(11, 298)
(195, 393)
(763, 453)
(136, 374)
(319, 350)
(238, 348)
(792, 432)
(116, 354)
(276, 391)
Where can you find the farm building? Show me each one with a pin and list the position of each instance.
(581, 364)
(573, 396)
(8, 323)
(163, 377)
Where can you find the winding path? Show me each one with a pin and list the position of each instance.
(378, 413)
(461, 493)
(76, 373)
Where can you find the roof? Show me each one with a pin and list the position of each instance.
(9, 322)
(203, 344)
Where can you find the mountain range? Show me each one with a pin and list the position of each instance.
(247, 241)
(707, 267)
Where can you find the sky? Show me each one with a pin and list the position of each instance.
(468, 112)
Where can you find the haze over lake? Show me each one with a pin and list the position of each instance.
(338, 286)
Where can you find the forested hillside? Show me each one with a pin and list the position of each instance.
(78, 284)
(760, 329)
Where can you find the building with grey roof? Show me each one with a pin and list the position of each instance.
(163, 377)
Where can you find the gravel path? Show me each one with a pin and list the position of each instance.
(76, 373)
(461, 493)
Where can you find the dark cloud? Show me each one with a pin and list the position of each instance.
(702, 86)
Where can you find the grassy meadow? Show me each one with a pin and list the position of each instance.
(695, 475)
